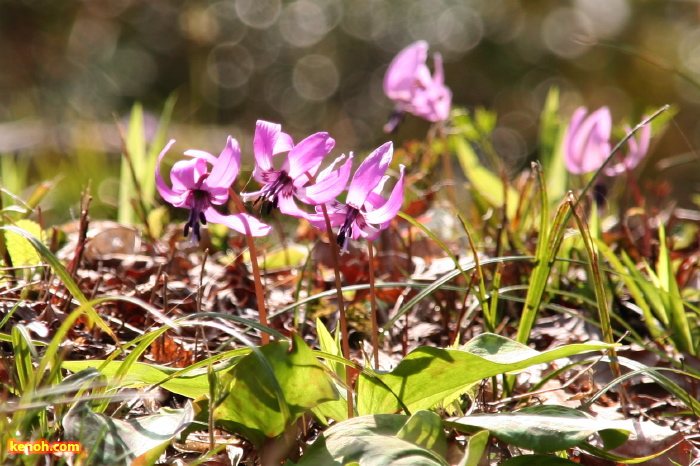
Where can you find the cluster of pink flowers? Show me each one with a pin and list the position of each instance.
(587, 144)
(365, 212)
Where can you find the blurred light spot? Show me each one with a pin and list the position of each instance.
(229, 65)
(91, 39)
(562, 30)
(303, 23)
(364, 19)
(222, 97)
(315, 77)
(503, 19)
(606, 18)
(259, 14)
(133, 70)
(199, 24)
(509, 145)
(459, 29)
(420, 20)
(230, 28)
(264, 47)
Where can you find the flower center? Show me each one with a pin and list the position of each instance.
(200, 201)
(345, 231)
(270, 193)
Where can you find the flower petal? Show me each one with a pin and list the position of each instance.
(268, 141)
(187, 174)
(243, 223)
(202, 155)
(587, 141)
(165, 191)
(399, 80)
(391, 207)
(308, 155)
(329, 184)
(227, 166)
(369, 174)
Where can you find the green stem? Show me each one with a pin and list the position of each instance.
(373, 304)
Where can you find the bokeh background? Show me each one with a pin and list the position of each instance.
(70, 69)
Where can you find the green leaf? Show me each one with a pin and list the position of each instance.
(428, 375)
(551, 153)
(252, 407)
(142, 374)
(21, 250)
(115, 442)
(475, 448)
(538, 428)
(487, 183)
(425, 429)
(369, 441)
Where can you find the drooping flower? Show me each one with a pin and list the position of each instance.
(365, 212)
(197, 189)
(638, 146)
(587, 143)
(296, 178)
(409, 84)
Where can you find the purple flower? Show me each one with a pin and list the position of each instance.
(638, 148)
(409, 84)
(366, 212)
(587, 141)
(298, 170)
(197, 189)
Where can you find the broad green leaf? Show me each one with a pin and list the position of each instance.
(292, 255)
(336, 409)
(369, 441)
(115, 442)
(428, 375)
(252, 407)
(132, 165)
(475, 448)
(21, 250)
(539, 428)
(425, 429)
(142, 374)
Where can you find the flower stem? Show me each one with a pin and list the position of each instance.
(257, 278)
(373, 304)
(341, 308)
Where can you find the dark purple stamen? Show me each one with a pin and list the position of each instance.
(200, 202)
(395, 120)
(270, 194)
(345, 231)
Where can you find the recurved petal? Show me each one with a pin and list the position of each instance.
(369, 174)
(165, 191)
(264, 143)
(225, 170)
(329, 184)
(308, 155)
(401, 73)
(242, 223)
(202, 155)
(391, 207)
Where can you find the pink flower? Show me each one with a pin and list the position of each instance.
(587, 143)
(365, 207)
(197, 189)
(291, 180)
(638, 148)
(409, 84)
